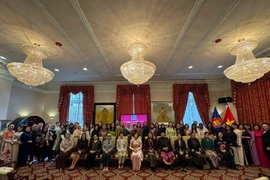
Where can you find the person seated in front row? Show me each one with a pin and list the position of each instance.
(107, 148)
(222, 148)
(150, 150)
(92, 152)
(65, 151)
(180, 151)
(209, 150)
(81, 148)
(136, 155)
(164, 145)
(121, 147)
(196, 151)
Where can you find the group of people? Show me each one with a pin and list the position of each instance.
(234, 145)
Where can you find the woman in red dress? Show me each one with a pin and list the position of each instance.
(258, 141)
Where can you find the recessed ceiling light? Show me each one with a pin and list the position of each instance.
(2, 57)
(190, 67)
(220, 66)
(56, 70)
(85, 69)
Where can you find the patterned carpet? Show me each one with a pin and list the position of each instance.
(47, 171)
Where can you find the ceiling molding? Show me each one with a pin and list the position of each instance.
(36, 89)
(192, 74)
(110, 86)
(216, 24)
(4, 74)
(183, 32)
(56, 86)
(76, 6)
(48, 15)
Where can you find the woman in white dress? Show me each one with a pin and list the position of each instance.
(121, 150)
(137, 154)
(17, 141)
(238, 151)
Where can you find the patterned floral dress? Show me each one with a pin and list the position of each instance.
(6, 149)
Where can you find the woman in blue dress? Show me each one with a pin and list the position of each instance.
(24, 148)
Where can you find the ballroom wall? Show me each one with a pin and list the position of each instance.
(24, 102)
(44, 103)
(5, 89)
(160, 91)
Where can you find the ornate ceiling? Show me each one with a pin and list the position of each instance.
(95, 34)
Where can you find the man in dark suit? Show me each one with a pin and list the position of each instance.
(266, 139)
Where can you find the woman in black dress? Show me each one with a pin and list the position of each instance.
(245, 143)
(180, 151)
(196, 151)
(82, 146)
(222, 148)
(151, 150)
(24, 148)
(93, 150)
(230, 136)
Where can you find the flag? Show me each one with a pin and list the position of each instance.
(228, 118)
(216, 119)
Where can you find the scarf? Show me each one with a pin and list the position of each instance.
(128, 129)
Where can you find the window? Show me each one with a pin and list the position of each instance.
(192, 113)
(76, 108)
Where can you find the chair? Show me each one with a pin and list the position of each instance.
(173, 138)
(75, 141)
(264, 176)
(8, 173)
(261, 176)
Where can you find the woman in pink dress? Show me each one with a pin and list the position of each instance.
(253, 147)
(264, 161)
(137, 155)
(6, 149)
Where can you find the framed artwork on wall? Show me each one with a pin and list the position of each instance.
(104, 112)
(162, 112)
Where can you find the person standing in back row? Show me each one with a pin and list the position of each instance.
(266, 139)
(239, 153)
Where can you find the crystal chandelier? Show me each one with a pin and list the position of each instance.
(31, 72)
(247, 67)
(137, 71)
